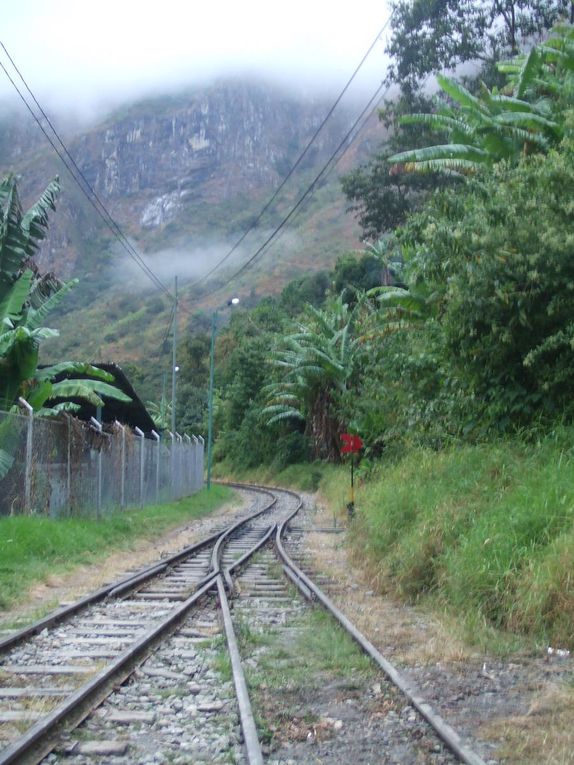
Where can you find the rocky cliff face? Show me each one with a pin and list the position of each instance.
(171, 167)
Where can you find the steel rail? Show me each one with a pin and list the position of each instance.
(39, 740)
(447, 734)
(110, 590)
(250, 737)
(121, 586)
(217, 550)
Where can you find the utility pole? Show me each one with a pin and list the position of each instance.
(210, 397)
(232, 302)
(174, 368)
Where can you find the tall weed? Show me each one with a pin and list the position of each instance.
(488, 530)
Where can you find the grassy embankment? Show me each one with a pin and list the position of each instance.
(33, 547)
(484, 532)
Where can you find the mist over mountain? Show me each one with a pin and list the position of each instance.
(184, 175)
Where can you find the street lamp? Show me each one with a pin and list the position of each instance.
(232, 301)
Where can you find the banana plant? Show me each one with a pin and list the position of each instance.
(546, 73)
(315, 364)
(482, 129)
(20, 336)
(21, 233)
(26, 299)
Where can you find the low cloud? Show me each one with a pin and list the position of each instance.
(87, 59)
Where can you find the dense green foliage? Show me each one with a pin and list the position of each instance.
(500, 256)
(382, 195)
(26, 299)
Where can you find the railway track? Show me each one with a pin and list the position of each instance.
(149, 669)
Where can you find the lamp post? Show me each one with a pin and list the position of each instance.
(233, 301)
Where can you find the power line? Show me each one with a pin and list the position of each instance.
(297, 162)
(302, 198)
(86, 189)
(354, 138)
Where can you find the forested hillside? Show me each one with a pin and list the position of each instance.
(446, 343)
(183, 176)
(451, 333)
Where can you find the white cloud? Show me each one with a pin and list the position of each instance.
(87, 54)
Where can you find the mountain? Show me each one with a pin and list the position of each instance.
(183, 175)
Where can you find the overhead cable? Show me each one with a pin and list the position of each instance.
(86, 188)
(297, 162)
(302, 198)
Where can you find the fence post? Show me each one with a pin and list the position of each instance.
(195, 463)
(172, 463)
(188, 465)
(29, 442)
(122, 465)
(158, 453)
(141, 436)
(98, 426)
(69, 464)
(179, 452)
(201, 458)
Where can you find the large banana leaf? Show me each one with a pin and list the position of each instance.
(73, 367)
(438, 121)
(34, 223)
(36, 316)
(88, 390)
(461, 95)
(20, 234)
(12, 252)
(12, 303)
(447, 156)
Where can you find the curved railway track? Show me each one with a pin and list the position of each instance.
(133, 673)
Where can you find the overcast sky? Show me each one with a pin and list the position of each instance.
(86, 55)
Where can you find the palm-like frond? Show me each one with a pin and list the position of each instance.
(451, 151)
(88, 390)
(34, 223)
(20, 233)
(75, 368)
(36, 316)
(12, 304)
(439, 122)
(461, 95)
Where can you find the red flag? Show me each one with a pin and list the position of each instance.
(351, 443)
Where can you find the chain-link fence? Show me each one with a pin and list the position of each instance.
(64, 466)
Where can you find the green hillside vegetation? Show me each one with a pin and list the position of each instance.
(448, 346)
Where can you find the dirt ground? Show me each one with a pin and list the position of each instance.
(518, 711)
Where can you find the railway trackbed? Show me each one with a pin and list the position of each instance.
(214, 655)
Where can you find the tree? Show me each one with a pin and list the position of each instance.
(26, 299)
(382, 197)
(316, 364)
(499, 257)
(429, 36)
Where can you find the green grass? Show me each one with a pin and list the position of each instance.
(321, 648)
(32, 547)
(221, 661)
(486, 532)
(305, 477)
